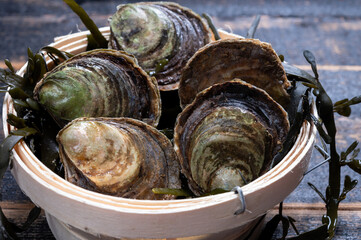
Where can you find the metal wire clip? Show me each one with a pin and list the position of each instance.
(238, 190)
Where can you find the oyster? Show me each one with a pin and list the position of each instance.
(251, 60)
(155, 32)
(118, 156)
(104, 82)
(229, 128)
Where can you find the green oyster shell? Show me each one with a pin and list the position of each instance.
(118, 156)
(229, 127)
(155, 31)
(99, 83)
(251, 60)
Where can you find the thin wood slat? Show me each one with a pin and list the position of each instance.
(17, 212)
(348, 68)
(307, 215)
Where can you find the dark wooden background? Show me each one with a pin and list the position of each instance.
(330, 29)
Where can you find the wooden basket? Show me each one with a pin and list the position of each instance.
(76, 213)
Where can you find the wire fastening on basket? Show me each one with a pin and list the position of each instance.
(238, 190)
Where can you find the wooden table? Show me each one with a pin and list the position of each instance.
(331, 30)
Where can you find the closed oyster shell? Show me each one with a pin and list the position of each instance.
(99, 83)
(118, 156)
(251, 60)
(158, 31)
(229, 127)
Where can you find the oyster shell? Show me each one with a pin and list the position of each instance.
(229, 127)
(158, 31)
(251, 60)
(99, 83)
(118, 156)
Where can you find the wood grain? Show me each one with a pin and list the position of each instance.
(307, 216)
(17, 212)
(16, 64)
(349, 68)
